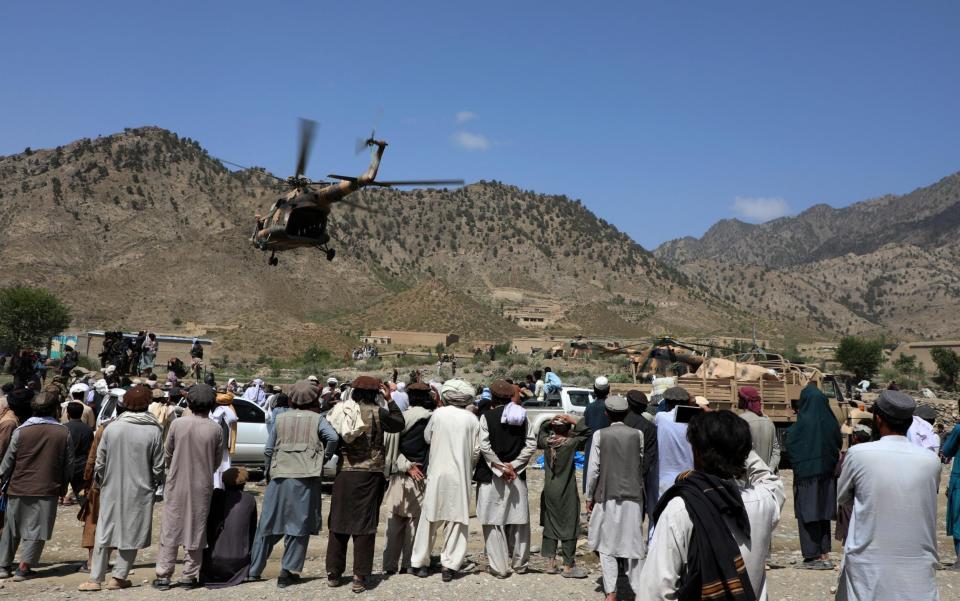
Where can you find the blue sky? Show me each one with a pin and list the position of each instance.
(662, 117)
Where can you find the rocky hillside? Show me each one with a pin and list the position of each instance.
(145, 229)
(885, 266)
(926, 218)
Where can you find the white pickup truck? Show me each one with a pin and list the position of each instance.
(571, 400)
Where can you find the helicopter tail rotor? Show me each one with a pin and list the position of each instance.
(367, 143)
(363, 144)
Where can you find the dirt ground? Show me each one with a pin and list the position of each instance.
(58, 578)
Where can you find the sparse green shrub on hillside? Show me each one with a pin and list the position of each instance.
(948, 367)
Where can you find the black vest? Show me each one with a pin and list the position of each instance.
(506, 441)
(413, 446)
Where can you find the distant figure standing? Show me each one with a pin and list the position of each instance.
(891, 550)
(762, 431)
(148, 356)
(81, 437)
(595, 416)
(674, 453)
(196, 358)
(71, 358)
(814, 444)
(951, 448)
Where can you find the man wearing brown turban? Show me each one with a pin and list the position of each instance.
(129, 468)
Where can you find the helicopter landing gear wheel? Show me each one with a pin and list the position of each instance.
(273, 261)
(331, 253)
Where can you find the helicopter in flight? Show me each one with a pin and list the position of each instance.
(298, 219)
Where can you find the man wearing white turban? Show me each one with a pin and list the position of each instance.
(255, 393)
(452, 436)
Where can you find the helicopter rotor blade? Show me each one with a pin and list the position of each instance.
(419, 182)
(307, 129)
(357, 206)
(259, 170)
(345, 178)
(362, 143)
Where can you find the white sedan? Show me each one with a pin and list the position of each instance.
(251, 431)
(252, 437)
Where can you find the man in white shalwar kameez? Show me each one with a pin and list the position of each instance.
(615, 497)
(452, 436)
(891, 549)
(226, 417)
(507, 444)
(760, 490)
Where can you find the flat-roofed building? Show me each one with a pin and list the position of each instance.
(922, 351)
(407, 338)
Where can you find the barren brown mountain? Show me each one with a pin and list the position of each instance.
(885, 266)
(145, 229)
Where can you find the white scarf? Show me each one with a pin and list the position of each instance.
(346, 420)
(36, 421)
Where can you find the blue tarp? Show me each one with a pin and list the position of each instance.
(578, 460)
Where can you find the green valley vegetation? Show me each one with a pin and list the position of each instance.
(29, 317)
(948, 367)
(860, 356)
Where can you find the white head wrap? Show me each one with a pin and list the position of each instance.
(459, 393)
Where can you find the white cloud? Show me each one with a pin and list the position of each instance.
(760, 209)
(464, 116)
(471, 141)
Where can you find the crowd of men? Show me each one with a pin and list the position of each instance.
(682, 500)
(367, 351)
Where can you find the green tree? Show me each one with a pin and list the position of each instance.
(907, 365)
(860, 356)
(948, 367)
(30, 317)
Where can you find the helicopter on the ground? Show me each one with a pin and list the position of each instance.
(298, 219)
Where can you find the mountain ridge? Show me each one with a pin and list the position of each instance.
(883, 266)
(144, 228)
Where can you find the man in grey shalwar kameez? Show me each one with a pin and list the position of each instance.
(129, 468)
(192, 451)
(36, 468)
(502, 501)
(615, 497)
(295, 453)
